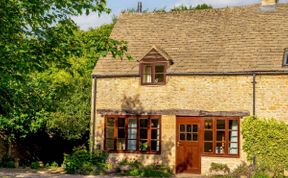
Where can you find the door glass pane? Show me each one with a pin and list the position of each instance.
(208, 136)
(155, 134)
(110, 132)
(220, 148)
(188, 136)
(131, 145)
(208, 147)
(143, 122)
(143, 145)
(233, 148)
(182, 136)
(220, 124)
(195, 136)
(143, 134)
(132, 122)
(182, 128)
(110, 122)
(220, 136)
(121, 133)
(121, 122)
(154, 145)
(233, 124)
(121, 144)
(132, 133)
(110, 144)
(195, 128)
(155, 123)
(188, 128)
(208, 124)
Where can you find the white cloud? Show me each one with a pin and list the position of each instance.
(92, 20)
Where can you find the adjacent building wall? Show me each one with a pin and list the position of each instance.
(210, 93)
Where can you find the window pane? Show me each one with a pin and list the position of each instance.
(188, 136)
(143, 146)
(233, 124)
(110, 122)
(155, 123)
(154, 145)
(188, 128)
(182, 136)
(121, 144)
(195, 128)
(109, 132)
(110, 144)
(182, 128)
(159, 78)
(220, 136)
(132, 122)
(143, 122)
(220, 148)
(233, 148)
(233, 136)
(132, 133)
(195, 136)
(208, 136)
(208, 147)
(220, 124)
(155, 134)
(159, 69)
(121, 133)
(208, 123)
(147, 74)
(131, 145)
(121, 122)
(143, 133)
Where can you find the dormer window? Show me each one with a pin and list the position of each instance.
(153, 73)
(286, 57)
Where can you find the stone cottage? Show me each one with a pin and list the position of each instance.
(194, 76)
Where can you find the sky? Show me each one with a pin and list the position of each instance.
(92, 21)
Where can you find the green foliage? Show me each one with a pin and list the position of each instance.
(267, 140)
(242, 170)
(83, 162)
(7, 162)
(186, 8)
(219, 167)
(35, 165)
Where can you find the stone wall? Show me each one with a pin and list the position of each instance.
(209, 93)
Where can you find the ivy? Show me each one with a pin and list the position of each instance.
(267, 139)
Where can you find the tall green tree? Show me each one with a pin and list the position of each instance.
(34, 37)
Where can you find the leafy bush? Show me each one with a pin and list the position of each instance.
(35, 165)
(54, 165)
(267, 140)
(7, 162)
(242, 170)
(219, 167)
(83, 162)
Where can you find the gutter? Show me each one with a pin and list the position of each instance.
(93, 112)
(259, 72)
(254, 94)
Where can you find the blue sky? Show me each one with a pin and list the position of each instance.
(86, 22)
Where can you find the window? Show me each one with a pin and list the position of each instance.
(285, 57)
(153, 73)
(221, 136)
(132, 134)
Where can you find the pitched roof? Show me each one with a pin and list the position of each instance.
(212, 40)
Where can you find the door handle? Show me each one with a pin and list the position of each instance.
(178, 143)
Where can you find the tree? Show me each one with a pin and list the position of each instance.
(185, 8)
(36, 36)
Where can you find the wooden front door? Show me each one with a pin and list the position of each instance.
(188, 143)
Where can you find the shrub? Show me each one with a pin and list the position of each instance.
(219, 167)
(242, 170)
(7, 162)
(35, 165)
(267, 140)
(83, 162)
(54, 165)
